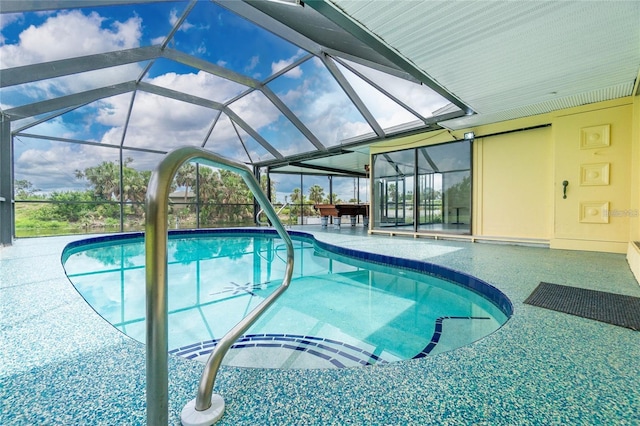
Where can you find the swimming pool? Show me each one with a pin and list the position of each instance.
(343, 308)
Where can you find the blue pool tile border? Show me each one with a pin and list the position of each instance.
(305, 343)
(312, 345)
(470, 282)
(437, 332)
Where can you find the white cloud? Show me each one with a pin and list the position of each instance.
(253, 62)
(202, 84)
(157, 40)
(70, 34)
(54, 127)
(163, 123)
(52, 168)
(173, 18)
(283, 63)
(76, 83)
(7, 19)
(256, 110)
(200, 50)
(113, 111)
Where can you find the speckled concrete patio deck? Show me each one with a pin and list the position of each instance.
(62, 364)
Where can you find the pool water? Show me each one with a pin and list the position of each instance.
(338, 311)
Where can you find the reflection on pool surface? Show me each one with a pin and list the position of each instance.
(339, 310)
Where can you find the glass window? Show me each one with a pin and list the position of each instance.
(441, 198)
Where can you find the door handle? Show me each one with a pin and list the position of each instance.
(565, 183)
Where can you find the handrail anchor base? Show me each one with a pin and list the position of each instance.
(192, 417)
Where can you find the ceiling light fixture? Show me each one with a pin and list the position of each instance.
(288, 2)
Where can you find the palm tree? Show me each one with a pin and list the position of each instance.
(295, 196)
(105, 179)
(316, 194)
(186, 177)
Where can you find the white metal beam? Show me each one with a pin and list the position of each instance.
(82, 98)
(21, 6)
(60, 68)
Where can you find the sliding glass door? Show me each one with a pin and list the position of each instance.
(393, 190)
(425, 189)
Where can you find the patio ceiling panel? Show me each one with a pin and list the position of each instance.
(511, 59)
(502, 59)
(350, 163)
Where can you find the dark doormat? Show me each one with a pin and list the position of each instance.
(616, 309)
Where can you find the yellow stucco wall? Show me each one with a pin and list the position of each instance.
(596, 213)
(634, 226)
(633, 251)
(513, 180)
(518, 174)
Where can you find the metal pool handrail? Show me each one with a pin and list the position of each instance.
(199, 411)
(262, 211)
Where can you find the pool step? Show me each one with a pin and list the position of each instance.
(438, 333)
(286, 350)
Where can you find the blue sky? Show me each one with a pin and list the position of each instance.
(209, 33)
